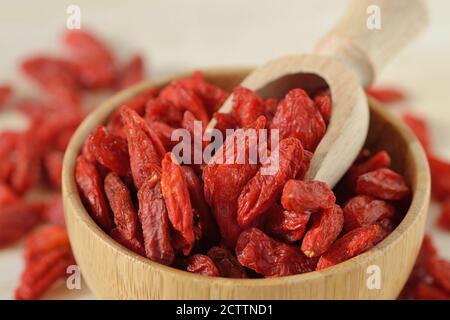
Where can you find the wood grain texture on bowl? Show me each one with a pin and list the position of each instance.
(113, 272)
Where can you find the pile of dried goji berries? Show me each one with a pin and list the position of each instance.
(31, 160)
(430, 278)
(229, 219)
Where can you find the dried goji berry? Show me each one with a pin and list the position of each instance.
(261, 192)
(307, 196)
(298, 117)
(132, 72)
(351, 244)
(7, 195)
(16, 219)
(54, 211)
(270, 108)
(207, 223)
(5, 94)
(386, 95)
(224, 121)
(439, 270)
(440, 178)
(93, 59)
(44, 241)
(246, 106)
(176, 196)
(164, 133)
(226, 263)
(58, 77)
(306, 162)
(420, 129)
(377, 161)
(257, 251)
(154, 221)
(212, 96)
(133, 244)
(444, 216)
(427, 291)
(53, 163)
(325, 228)
(110, 150)
(323, 104)
(90, 185)
(288, 226)
(382, 184)
(222, 194)
(201, 264)
(184, 98)
(119, 197)
(41, 274)
(156, 110)
(144, 147)
(361, 211)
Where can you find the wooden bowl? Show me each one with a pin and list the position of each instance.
(113, 272)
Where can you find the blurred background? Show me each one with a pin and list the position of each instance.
(178, 35)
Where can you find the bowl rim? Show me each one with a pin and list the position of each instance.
(420, 185)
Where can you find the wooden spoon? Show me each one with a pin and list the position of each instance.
(347, 59)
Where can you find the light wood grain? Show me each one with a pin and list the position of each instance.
(113, 272)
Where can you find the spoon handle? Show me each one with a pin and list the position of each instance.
(371, 32)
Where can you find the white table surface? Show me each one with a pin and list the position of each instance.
(177, 35)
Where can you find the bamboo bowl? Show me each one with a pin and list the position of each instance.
(113, 272)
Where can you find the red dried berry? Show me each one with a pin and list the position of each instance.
(16, 219)
(426, 291)
(386, 95)
(93, 59)
(307, 196)
(351, 244)
(323, 104)
(257, 251)
(164, 133)
(202, 265)
(420, 129)
(110, 150)
(270, 108)
(5, 94)
(154, 221)
(288, 226)
(144, 147)
(53, 163)
(224, 121)
(133, 244)
(382, 184)
(157, 110)
(226, 263)
(440, 178)
(444, 217)
(261, 192)
(7, 195)
(132, 72)
(298, 117)
(439, 270)
(306, 162)
(54, 211)
(184, 98)
(176, 196)
(90, 185)
(325, 228)
(125, 216)
(361, 211)
(246, 106)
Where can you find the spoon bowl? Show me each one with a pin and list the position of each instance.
(113, 272)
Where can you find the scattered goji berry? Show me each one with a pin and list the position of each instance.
(386, 95)
(226, 263)
(257, 251)
(54, 211)
(132, 72)
(361, 211)
(325, 228)
(426, 291)
(444, 216)
(439, 270)
(382, 184)
(202, 264)
(53, 163)
(90, 185)
(440, 178)
(5, 94)
(420, 129)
